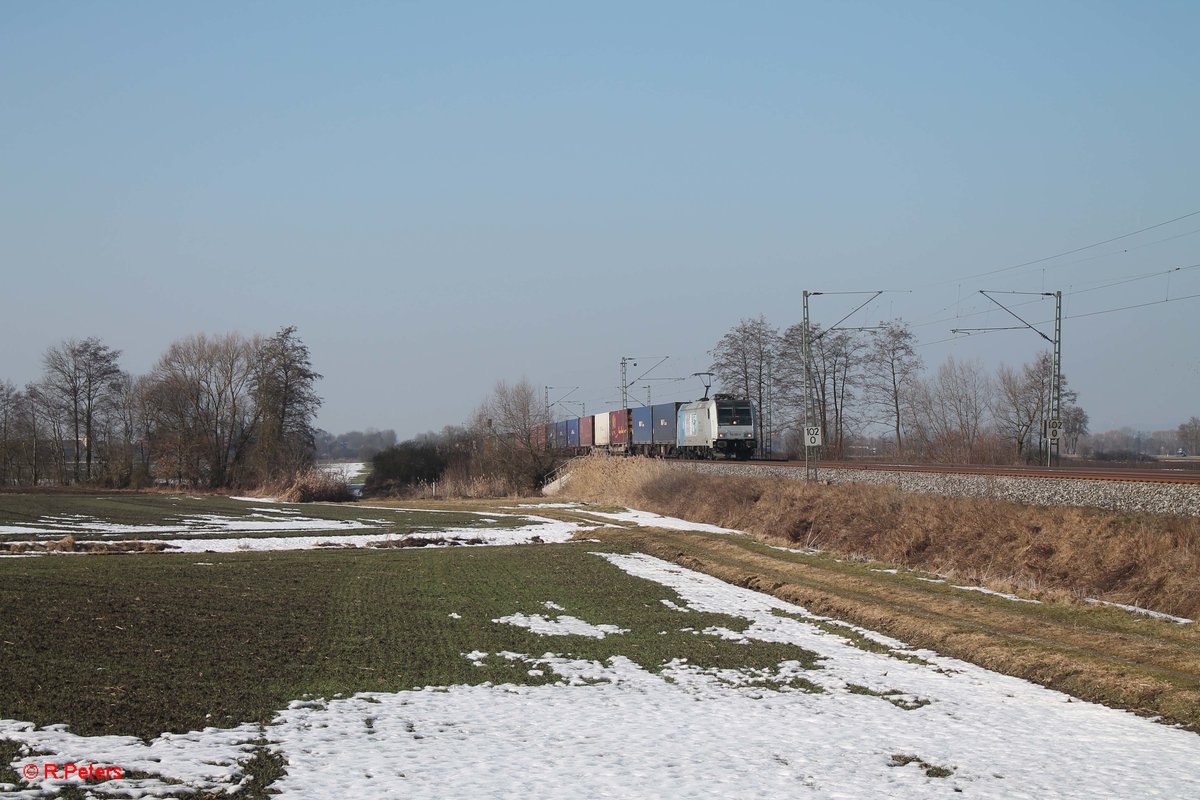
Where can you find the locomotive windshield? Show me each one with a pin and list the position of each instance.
(734, 414)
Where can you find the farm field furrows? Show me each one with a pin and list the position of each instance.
(575, 669)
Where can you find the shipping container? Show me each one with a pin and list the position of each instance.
(618, 428)
(642, 425)
(602, 429)
(560, 435)
(537, 437)
(573, 432)
(665, 418)
(587, 431)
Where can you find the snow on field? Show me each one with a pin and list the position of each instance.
(1144, 611)
(651, 520)
(994, 593)
(260, 519)
(560, 625)
(546, 505)
(543, 530)
(882, 726)
(292, 526)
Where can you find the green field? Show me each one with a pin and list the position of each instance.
(152, 643)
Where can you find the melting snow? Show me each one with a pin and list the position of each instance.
(1140, 610)
(994, 593)
(615, 729)
(651, 520)
(562, 625)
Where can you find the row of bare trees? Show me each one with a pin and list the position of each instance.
(865, 381)
(214, 411)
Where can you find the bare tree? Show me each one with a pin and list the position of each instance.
(1189, 435)
(891, 367)
(1018, 405)
(204, 411)
(127, 422)
(503, 429)
(1074, 425)
(287, 402)
(1023, 400)
(742, 362)
(949, 411)
(79, 376)
(10, 402)
(49, 424)
(835, 377)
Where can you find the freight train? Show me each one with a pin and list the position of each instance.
(718, 427)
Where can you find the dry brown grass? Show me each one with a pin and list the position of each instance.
(67, 544)
(475, 487)
(310, 486)
(1061, 553)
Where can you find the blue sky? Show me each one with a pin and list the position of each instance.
(443, 195)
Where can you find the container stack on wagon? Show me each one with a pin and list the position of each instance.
(706, 428)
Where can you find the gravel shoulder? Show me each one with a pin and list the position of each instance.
(1125, 496)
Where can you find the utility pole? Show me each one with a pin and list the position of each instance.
(626, 361)
(1051, 421)
(550, 405)
(813, 435)
(768, 445)
(1056, 388)
(810, 461)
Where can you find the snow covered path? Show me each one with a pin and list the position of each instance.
(616, 730)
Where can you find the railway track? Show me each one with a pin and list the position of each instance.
(1184, 476)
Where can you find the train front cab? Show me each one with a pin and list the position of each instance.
(735, 429)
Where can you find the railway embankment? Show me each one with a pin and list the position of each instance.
(1130, 496)
(1056, 552)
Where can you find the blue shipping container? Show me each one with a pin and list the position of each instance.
(573, 432)
(665, 416)
(560, 435)
(643, 426)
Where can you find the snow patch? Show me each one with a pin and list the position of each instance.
(650, 520)
(562, 625)
(1139, 610)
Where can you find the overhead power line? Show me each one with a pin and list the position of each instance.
(1138, 305)
(1070, 293)
(1085, 247)
(1071, 251)
(965, 332)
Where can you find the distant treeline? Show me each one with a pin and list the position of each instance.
(353, 446)
(214, 411)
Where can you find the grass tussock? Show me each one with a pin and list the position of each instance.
(311, 486)
(1060, 553)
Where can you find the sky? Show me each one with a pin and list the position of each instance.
(443, 195)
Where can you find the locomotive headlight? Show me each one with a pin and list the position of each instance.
(748, 435)
(720, 436)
